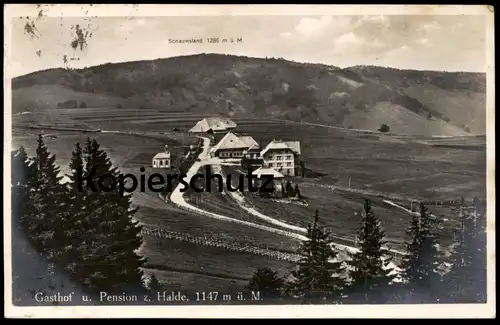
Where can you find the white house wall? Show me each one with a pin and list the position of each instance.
(280, 160)
(161, 163)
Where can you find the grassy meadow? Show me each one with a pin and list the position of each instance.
(399, 167)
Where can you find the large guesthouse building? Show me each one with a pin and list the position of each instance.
(283, 156)
(232, 146)
(213, 125)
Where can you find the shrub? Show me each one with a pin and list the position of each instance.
(384, 128)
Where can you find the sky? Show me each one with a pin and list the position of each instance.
(421, 42)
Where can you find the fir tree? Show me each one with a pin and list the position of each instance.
(21, 177)
(421, 262)
(411, 263)
(369, 272)
(480, 257)
(466, 281)
(77, 228)
(317, 277)
(154, 285)
(46, 225)
(431, 257)
(297, 191)
(267, 282)
(289, 189)
(110, 260)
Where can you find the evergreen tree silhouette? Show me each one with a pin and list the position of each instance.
(317, 278)
(267, 282)
(297, 191)
(430, 256)
(369, 273)
(411, 263)
(21, 178)
(110, 259)
(466, 281)
(78, 228)
(289, 189)
(154, 285)
(46, 226)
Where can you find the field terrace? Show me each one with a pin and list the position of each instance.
(133, 119)
(195, 267)
(128, 152)
(339, 211)
(387, 165)
(190, 267)
(220, 202)
(380, 165)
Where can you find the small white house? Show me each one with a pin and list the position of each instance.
(162, 159)
(261, 176)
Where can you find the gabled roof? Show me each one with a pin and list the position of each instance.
(254, 147)
(278, 144)
(294, 145)
(162, 155)
(213, 123)
(230, 141)
(249, 141)
(267, 171)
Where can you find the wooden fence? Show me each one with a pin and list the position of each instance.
(212, 241)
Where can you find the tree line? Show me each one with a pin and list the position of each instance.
(366, 277)
(91, 236)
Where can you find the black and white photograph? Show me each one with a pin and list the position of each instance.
(249, 161)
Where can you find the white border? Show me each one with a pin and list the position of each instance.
(293, 311)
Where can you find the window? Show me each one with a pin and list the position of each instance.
(278, 164)
(161, 163)
(289, 157)
(278, 157)
(289, 164)
(270, 164)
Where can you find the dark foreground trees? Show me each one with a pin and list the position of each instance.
(318, 276)
(466, 281)
(267, 282)
(21, 175)
(91, 235)
(369, 272)
(110, 237)
(47, 218)
(421, 263)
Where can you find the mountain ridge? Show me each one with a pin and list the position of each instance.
(409, 101)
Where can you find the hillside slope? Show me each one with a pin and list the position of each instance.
(413, 102)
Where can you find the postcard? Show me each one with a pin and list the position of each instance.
(249, 161)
